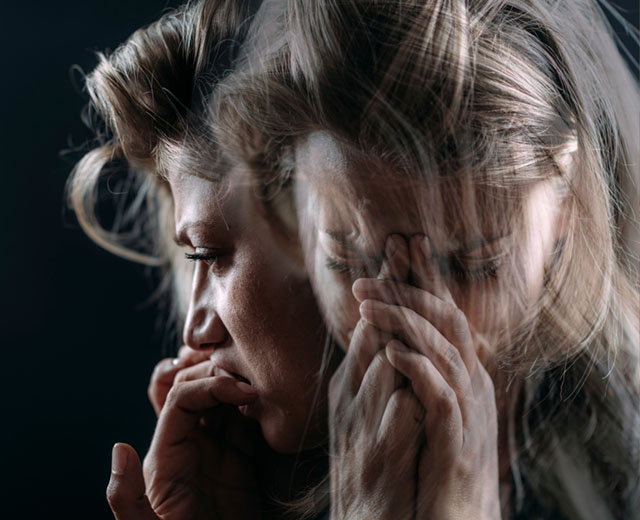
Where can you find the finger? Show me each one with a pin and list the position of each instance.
(126, 490)
(188, 401)
(365, 342)
(161, 381)
(443, 416)
(165, 372)
(425, 273)
(378, 384)
(396, 259)
(401, 426)
(199, 371)
(444, 316)
(423, 337)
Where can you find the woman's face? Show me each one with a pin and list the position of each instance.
(491, 252)
(252, 306)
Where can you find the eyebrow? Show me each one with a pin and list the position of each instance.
(342, 238)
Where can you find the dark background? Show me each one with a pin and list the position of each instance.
(79, 336)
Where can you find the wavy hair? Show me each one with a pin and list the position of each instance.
(148, 108)
(508, 93)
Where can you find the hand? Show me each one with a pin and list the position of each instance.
(458, 466)
(165, 372)
(200, 461)
(375, 424)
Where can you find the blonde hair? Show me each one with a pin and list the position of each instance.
(513, 91)
(148, 106)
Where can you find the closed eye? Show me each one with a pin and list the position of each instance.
(361, 269)
(210, 258)
(465, 270)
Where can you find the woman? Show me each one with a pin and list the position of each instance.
(495, 142)
(256, 337)
(534, 179)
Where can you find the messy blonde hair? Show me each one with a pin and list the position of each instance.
(148, 107)
(513, 91)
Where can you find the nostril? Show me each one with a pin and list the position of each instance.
(207, 346)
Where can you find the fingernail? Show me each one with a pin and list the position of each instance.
(397, 346)
(391, 247)
(361, 285)
(425, 244)
(245, 388)
(175, 361)
(118, 459)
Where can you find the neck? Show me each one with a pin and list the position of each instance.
(284, 478)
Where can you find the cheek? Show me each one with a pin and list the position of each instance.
(496, 307)
(487, 306)
(339, 307)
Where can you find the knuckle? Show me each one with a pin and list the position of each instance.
(452, 360)
(180, 377)
(380, 362)
(446, 401)
(459, 322)
(175, 393)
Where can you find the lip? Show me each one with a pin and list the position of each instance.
(224, 370)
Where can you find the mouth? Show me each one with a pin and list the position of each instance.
(219, 371)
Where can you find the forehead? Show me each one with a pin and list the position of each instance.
(354, 189)
(204, 207)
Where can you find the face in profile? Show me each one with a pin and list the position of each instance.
(252, 306)
(490, 247)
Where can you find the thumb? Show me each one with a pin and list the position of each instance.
(125, 492)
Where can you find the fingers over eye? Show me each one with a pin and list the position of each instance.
(396, 259)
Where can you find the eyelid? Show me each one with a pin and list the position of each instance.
(487, 258)
(201, 254)
(363, 268)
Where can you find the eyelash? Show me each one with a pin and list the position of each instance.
(355, 271)
(209, 258)
(465, 275)
(452, 267)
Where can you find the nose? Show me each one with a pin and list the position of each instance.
(203, 328)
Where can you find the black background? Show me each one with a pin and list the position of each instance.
(79, 337)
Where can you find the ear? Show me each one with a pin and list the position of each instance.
(563, 217)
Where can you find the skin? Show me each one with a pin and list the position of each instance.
(381, 272)
(409, 321)
(232, 312)
(242, 321)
